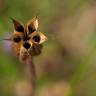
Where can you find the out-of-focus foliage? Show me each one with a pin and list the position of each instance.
(67, 65)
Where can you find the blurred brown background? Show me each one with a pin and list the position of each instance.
(66, 66)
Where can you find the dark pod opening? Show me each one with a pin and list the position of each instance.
(26, 45)
(17, 39)
(20, 29)
(31, 30)
(36, 38)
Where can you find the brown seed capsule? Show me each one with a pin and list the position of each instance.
(27, 40)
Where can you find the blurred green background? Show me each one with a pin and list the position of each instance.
(67, 65)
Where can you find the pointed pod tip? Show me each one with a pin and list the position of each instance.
(13, 20)
(35, 17)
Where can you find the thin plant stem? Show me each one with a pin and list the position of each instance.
(31, 73)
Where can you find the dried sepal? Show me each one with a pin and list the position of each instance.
(18, 27)
(32, 25)
(43, 38)
(38, 37)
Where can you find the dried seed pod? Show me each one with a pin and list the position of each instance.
(27, 40)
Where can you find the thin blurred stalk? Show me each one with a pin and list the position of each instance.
(31, 73)
(27, 86)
